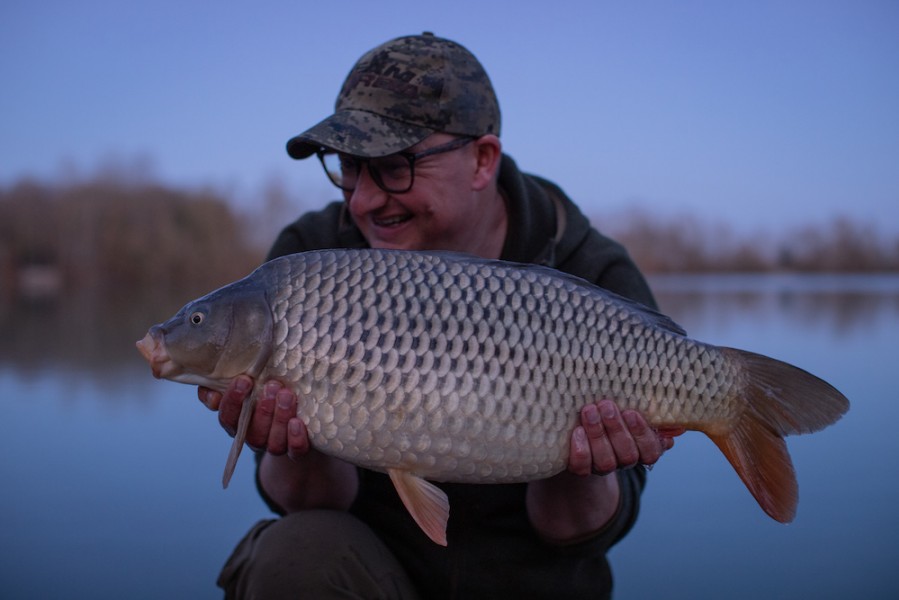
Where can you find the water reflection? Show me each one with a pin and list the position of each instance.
(839, 303)
(89, 333)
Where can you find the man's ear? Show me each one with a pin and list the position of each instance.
(489, 152)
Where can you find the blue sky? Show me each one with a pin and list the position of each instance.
(757, 113)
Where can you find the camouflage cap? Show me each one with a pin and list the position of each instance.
(400, 93)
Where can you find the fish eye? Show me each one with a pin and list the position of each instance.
(197, 318)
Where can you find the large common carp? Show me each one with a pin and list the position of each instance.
(454, 368)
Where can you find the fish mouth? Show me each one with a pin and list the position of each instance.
(153, 350)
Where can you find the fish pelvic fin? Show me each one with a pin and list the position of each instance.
(426, 502)
(243, 423)
(780, 400)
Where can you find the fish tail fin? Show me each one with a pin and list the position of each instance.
(243, 423)
(780, 400)
(760, 458)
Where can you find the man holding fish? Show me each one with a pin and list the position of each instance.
(414, 146)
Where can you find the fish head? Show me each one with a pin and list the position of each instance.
(214, 338)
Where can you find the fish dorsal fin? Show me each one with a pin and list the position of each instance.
(243, 423)
(426, 502)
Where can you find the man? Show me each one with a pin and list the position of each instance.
(414, 147)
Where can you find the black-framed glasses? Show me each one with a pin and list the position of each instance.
(394, 173)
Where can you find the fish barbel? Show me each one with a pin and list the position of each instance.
(446, 367)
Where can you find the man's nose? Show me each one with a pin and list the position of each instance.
(366, 196)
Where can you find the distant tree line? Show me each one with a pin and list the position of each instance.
(121, 237)
(686, 244)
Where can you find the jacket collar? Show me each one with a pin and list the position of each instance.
(544, 224)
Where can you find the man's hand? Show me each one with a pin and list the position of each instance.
(608, 439)
(274, 425)
(571, 506)
(293, 475)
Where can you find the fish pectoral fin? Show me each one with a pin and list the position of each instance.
(243, 423)
(426, 502)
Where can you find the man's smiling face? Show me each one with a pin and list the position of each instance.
(440, 212)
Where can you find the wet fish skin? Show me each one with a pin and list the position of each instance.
(452, 361)
(453, 368)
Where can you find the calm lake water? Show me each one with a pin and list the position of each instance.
(111, 480)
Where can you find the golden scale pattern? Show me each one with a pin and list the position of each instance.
(459, 370)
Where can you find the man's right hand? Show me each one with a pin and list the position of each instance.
(274, 425)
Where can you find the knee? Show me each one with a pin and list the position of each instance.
(311, 532)
(306, 545)
(316, 551)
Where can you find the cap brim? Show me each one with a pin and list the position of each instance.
(359, 133)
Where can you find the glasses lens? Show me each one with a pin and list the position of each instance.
(342, 170)
(393, 173)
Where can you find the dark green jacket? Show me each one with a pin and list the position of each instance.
(493, 551)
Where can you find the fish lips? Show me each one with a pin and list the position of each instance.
(153, 350)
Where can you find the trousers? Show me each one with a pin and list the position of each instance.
(317, 554)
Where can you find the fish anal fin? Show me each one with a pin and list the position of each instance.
(243, 423)
(760, 458)
(426, 502)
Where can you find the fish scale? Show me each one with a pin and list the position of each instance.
(538, 354)
(446, 367)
